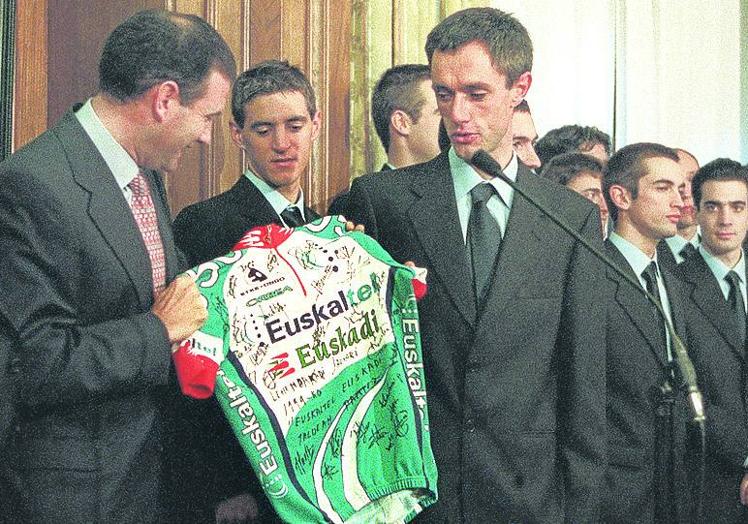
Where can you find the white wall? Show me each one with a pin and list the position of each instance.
(667, 71)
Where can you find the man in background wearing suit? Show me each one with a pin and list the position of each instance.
(275, 122)
(566, 139)
(677, 248)
(582, 174)
(524, 136)
(717, 275)
(510, 324)
(643, 184)
(87, 286)
(406, 119)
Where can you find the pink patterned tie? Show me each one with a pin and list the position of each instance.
(145, 216)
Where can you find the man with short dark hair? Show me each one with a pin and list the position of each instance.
(677, 248)
(716, 332)
(524, 135)
(514, 376)
(582, 174)
(275, 122)
(89, 261)
(406, 119)
(566, 139)
(646, 479)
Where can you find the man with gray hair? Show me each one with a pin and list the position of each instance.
(514, 371)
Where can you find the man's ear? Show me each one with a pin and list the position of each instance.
(236, 134)
(164, 99)
(316, 125)
(520, 88)
(400, 122)
(620, 196)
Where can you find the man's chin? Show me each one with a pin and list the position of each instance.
(464, 151)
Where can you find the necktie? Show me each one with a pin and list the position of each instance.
(688, 251)
(144, 213)
(735, 300)
(484, 238)
(650, 278)
(292, 217)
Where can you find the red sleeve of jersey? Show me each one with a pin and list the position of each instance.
(196, 373)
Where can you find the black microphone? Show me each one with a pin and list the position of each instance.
(486, 163)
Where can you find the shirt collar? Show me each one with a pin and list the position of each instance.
(119, 161)
(637, 259)
(465, 177)
(677, 242)
(276, 200)
(719, 269)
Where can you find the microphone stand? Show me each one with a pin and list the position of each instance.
(485, 162)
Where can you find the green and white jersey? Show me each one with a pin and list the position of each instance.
(312, 343)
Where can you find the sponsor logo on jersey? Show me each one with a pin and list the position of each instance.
(345, 300)
(280, 367)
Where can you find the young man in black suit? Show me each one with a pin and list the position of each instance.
(406, 120)
(275, 122)
(89, 259)
(512, 345)
(646, 415)
(716, 332)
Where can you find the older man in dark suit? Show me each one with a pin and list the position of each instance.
(510, 326)
(89, 256)
(716, 331)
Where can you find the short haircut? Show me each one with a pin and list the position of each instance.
(397, 89)
(566, 167)
(570, 138)
(627, 166)
(506, 38)
(267, 78)
(721, 169)
(522, 107)
(155, 46)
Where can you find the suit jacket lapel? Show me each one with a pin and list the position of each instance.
(707, 296)
(437, 225)
(252, 207)
(107, 206)
(635, 305)
(521, 242)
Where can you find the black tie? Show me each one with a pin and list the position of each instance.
(484, 237)
(688, 251)
(650, 278)
(292, 217)
(735, 300)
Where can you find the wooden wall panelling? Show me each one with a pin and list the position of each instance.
(77, 31)
(337, 81)
(30, 91)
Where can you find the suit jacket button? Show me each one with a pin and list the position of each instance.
(520, 480)
(470, 425)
